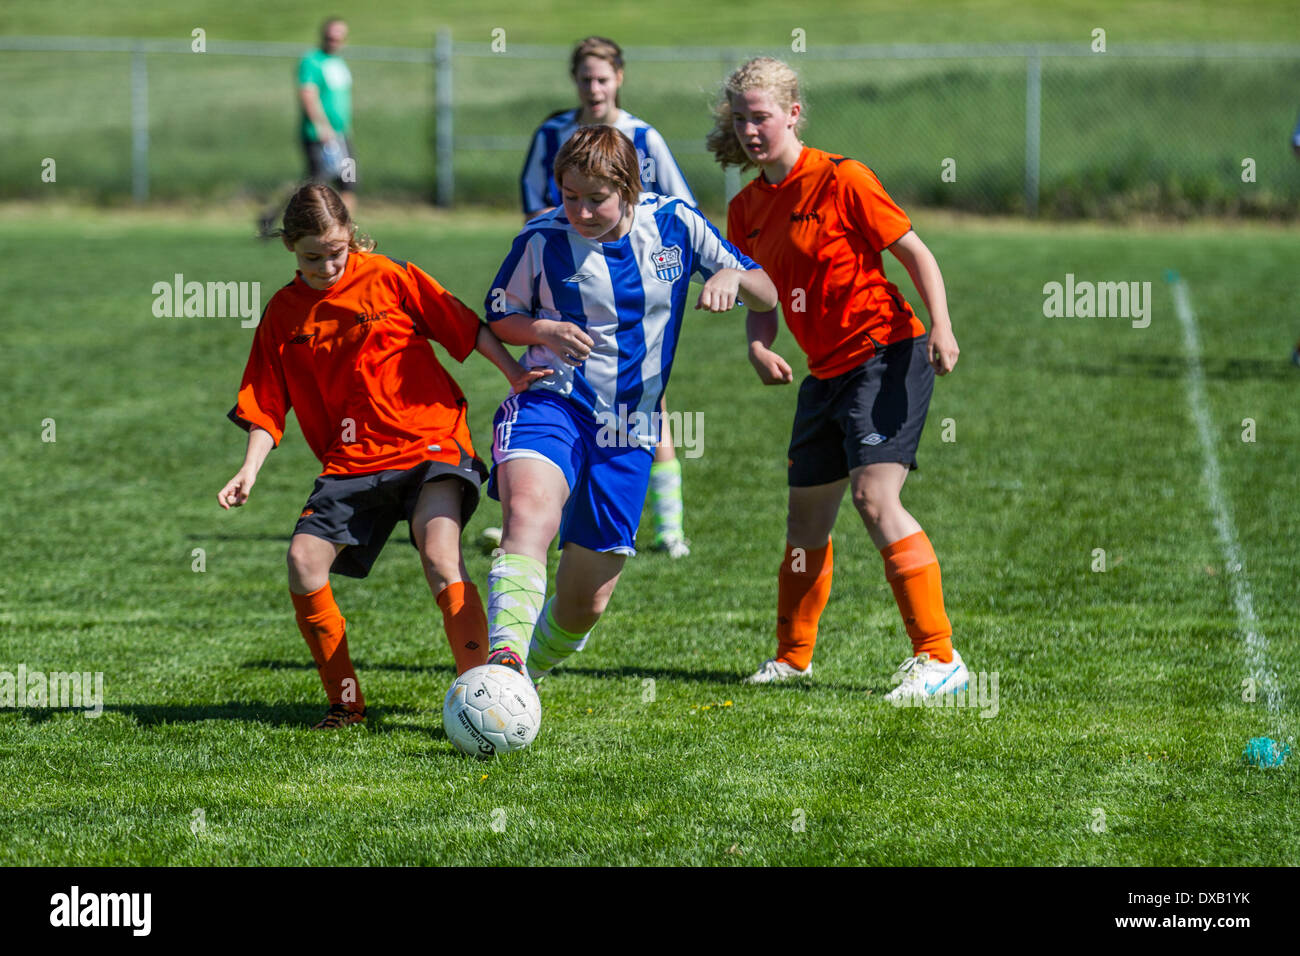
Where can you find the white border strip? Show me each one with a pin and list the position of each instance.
(1256, 643)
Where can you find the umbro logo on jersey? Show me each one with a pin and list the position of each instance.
(667, 263)
(753, 235)
(302, 339)
(806, 217)
(875, 438)
(578, 277)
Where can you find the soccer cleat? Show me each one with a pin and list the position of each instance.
(340, 715)
(773, 671)
(507, 658)
(922, 676)
(1295, 356)
(674, 545)
(489, 541)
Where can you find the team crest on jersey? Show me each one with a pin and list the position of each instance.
(667, 263)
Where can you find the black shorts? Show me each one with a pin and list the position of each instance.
(316, 165)
(870, 414)
(360, 511)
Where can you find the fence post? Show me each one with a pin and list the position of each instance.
(1033, 129)
(139, 126)
(443, 149)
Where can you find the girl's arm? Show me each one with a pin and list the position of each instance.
(719, 295)
(490, 347)
(924, 270)
(724, 286)
(237, 489)
(761, 328)
(565, 339)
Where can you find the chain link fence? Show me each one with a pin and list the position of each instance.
(1051, 130)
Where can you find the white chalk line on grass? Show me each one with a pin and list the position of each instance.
(1265, 677)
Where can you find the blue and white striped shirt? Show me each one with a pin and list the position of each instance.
(659, 171)
(629, 296)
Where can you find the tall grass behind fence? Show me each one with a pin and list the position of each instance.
(1040, 130)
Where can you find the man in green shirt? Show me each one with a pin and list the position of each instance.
(325, 94)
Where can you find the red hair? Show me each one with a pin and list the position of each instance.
(602, 152)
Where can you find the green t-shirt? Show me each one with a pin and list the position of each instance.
(331, 76)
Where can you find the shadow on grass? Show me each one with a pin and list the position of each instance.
(1215, 367)
(300, 716)
(360, 664)
(727, 679)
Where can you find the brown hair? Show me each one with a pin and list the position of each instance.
(760, 73)
(602, 152)
(316, 209)
(603, 48)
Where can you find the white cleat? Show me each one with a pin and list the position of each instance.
(490, 539)
(773, 671)
(674, 545)
(921, 676)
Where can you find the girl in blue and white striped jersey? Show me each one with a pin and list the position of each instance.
(597, 290)
(596, 66)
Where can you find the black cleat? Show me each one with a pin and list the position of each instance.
(339, 716)
(507, 658)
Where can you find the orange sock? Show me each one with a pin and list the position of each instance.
(465, 623)
(325, 631)
(912, 570)
(803, 587)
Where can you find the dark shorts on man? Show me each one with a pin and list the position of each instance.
(316, 165)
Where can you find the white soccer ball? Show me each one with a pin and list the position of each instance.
(491, 710)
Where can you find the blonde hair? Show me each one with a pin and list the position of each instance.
(316, 209)
(760, 73)
(602, 48)
(602, 152)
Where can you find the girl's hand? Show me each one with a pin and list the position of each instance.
(943, 350)
(524, 380)
(566, 340)
(771, 368)
(720, 291)
(237, 489)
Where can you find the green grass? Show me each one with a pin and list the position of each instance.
(411, 23)
(1119, 135)
(1119, 691)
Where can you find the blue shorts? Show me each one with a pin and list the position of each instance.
(607, 485)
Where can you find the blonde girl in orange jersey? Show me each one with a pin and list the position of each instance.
(345, 345)
(818, 223)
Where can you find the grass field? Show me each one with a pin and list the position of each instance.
(1118, 134)
(672, 22)
(1119, 692)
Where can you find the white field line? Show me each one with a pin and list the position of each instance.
(1256, 643)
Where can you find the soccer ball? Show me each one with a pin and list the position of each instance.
(491, 710)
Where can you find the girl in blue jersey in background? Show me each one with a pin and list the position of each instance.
(596, 66)
(597, 289)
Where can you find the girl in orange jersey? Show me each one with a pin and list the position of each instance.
(345, 345)
(818, 223)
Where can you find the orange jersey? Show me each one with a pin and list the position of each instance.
(354, 363)
(819, 234)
